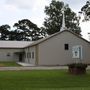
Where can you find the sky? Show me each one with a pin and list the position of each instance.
(13, 10)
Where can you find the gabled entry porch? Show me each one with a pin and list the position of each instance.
(20, 55)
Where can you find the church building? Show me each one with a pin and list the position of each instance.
(62, 48)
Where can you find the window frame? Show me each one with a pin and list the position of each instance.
(32, 55)
(66, 46)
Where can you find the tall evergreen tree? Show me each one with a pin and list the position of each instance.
(4, 32)
(85, 10)
(53, 21)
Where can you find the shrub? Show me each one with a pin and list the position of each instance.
(77, 68)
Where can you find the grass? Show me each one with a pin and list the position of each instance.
(43, 80)
(8, 64)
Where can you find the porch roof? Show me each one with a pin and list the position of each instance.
(14, 44)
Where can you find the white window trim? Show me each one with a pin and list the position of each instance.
(78, 49)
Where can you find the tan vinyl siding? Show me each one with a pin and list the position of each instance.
(30, 58)
(37, 53)
(11, 57)
(52, 52)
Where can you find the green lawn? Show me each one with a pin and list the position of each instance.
(9, 64)
(43, 80)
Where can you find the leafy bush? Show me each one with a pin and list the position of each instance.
(77, 65)
(77, 68)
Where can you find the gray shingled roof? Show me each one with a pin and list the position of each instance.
(44, 39)
(25, 44)
(14, 44)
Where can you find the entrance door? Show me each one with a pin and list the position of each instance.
(20, 58)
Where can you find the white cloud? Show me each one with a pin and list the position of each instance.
(75, 5)
(13, 10)
(30, 9)
(27, 4)
(20, 3)
(85, 26)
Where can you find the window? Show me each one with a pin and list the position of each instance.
(77, 51)
(29, 54)
(8, 54)
(66, 46)
(25, 55)
(33, 55)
